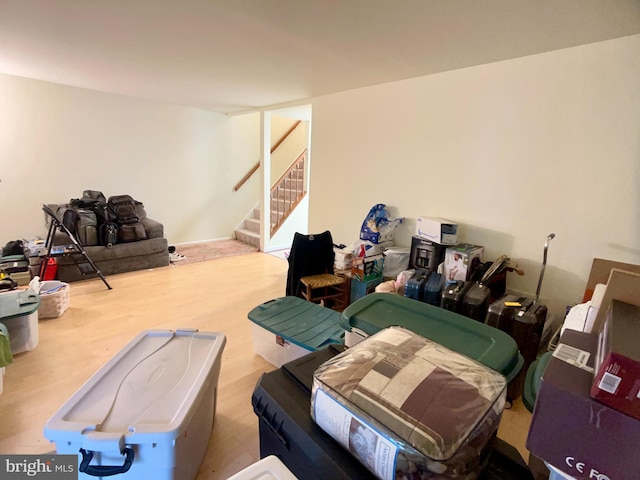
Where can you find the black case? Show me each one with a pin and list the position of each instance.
(453, 294)
(282, 402)
(476, 302)
(415, 285)
(525, 323)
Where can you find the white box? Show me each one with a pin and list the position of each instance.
(273, 348)
(461, 261)
(269, 468)
(19, 313)
(437, 230)
(153, 401)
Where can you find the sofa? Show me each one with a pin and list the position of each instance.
(119, 258)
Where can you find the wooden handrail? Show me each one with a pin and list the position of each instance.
(293, 166)
(273, 148)
(286, 134)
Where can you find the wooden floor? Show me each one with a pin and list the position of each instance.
(209, 296)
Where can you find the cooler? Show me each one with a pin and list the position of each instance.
(487, 345)
(287, 328)
(282, 400)
(148, 412)
(19, 313)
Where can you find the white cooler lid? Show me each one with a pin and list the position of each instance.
(151, 387)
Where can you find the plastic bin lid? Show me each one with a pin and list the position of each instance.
(146, 392)
(532, 380)
(298, 321)
(269, 468)
(488, 345)
(18, 303)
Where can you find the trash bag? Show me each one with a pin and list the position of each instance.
(378, 227)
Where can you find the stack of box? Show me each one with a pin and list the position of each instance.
(587, 411)
(366, 275)
(430, 242)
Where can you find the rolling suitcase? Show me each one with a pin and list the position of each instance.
(524, 319)
(433, 289)
(415, 286)
(453, 294)
(476, 301)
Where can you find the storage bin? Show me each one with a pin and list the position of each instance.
(19, 313)
(148, 412)
(269, 468)
(54, 299)
(287, 328)
(487, 345)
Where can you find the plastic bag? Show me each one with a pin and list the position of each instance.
(378, 226)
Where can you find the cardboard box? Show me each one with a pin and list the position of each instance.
(573, 432)
(622, 285)
(461, 261)
(367, 268)
(425, 254)
(361, 289)
(617, 380)
(437, 230)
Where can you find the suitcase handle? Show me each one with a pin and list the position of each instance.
(105, 470)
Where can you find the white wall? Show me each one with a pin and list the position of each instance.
(512, 151)
(182, 163)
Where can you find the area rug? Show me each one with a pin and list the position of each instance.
(202, 252)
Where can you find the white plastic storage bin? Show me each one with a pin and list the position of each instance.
(275, 349)
(148, 412)
(269, 468)
(19, 313)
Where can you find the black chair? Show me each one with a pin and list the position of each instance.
(311, 275)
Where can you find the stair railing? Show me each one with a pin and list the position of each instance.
(287, 192)
(255, 168)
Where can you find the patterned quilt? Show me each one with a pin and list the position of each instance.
(409, 407)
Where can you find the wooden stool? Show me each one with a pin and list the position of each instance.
(327, 289)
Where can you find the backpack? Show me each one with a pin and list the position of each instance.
(14, 247)
(69, 217)
(123, 208)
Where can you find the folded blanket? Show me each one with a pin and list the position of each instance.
(430, 408)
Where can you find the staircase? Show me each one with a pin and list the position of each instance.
(287, 192)
(250, 232)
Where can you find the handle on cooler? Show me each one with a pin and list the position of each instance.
(105, 470)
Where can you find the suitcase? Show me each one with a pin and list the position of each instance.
(476, 301)
(478, 297)
(281, 400)
(453, 294)
(415, 286)
(433, 289)
(523, 318)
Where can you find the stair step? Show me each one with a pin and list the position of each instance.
(252, 224)
(247, 236)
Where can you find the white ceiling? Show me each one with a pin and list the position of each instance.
(239, 55)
